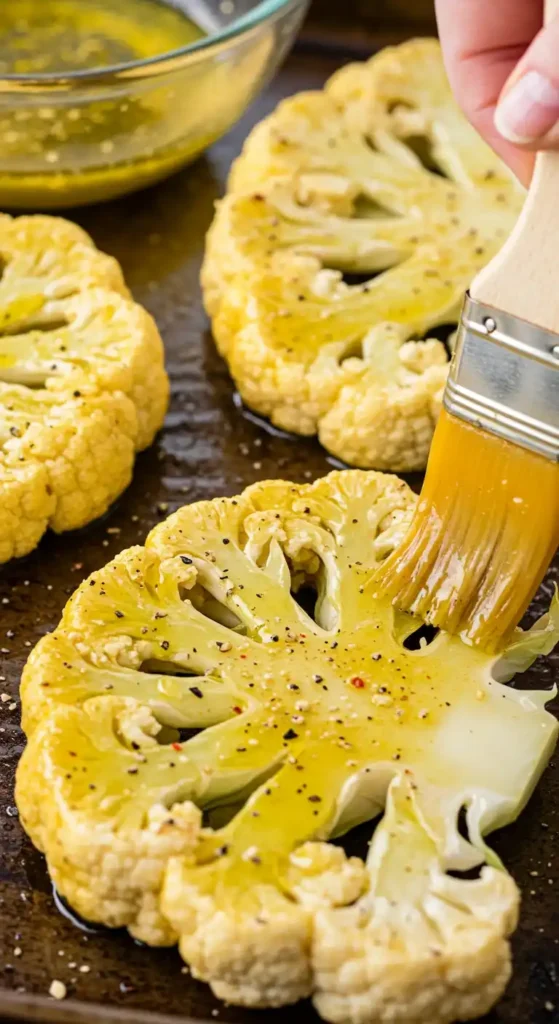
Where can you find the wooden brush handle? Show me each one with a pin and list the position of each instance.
(523, 279)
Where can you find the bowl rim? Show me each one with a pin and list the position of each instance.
(266, 11)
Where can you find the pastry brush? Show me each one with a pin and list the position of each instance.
(487, 522)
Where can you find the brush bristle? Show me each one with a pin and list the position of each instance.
(484, 532)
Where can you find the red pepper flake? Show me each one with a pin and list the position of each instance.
(357, 682)
(176, 746)
(237, 709)
(243, 656)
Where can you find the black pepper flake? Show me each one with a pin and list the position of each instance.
(225, 540)
(186, 560)
(132, 771)
(119, 615)
(317, 679)
(290, 735)
(165, 645)
(315, 799)
(222, 851)
(196, 691)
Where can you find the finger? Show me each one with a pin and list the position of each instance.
(528, 110)
(483, 41)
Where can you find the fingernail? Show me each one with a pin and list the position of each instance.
(529, 109)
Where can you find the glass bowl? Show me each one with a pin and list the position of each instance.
(86, 136)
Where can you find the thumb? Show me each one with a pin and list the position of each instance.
(527, 113)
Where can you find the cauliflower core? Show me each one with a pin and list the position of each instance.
(82, 381)
(187, 676)
(378, 176)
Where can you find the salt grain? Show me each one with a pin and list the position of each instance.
(57, 989)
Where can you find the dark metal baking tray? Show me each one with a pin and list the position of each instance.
(208, 448)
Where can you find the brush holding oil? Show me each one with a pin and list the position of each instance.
(101, 97)
(487, 521)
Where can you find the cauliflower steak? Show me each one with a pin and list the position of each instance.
(378, 176)
(82, 381)
(187, 676)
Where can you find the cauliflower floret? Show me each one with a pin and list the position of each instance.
(82, 381)
(255, 948)
(309, 723)
(27, 505)
(329, 186)
(420, 945)
(391, 422)
(80, 447)
(321, 875)
(115, 836)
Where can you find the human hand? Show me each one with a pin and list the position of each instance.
(504, 68)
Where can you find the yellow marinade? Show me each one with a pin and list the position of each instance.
(61, 36)
(88, 142)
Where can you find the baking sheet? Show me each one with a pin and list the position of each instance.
(208, 448)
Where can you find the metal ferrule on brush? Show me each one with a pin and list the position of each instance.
(504, 378)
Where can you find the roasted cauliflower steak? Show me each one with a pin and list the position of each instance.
(243, 664)
(378, 176)
(82, 381)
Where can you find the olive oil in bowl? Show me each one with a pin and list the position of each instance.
(58, 37)
(101, 97)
